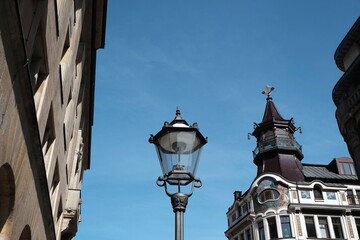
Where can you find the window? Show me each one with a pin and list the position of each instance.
(285, 226)
(318, 193)
(337, 227)
(350, 197)
(324, 228)
(357, 222)
(358, 196)
(239, 211)
(268, 195)
(305, 194)
(245, 208)
(310, 226)
(347, 168)
(59, 212)
(49, 137)
(26, 233)
(248, 234)
(331, 195)
(272, 227)
(7, 196)
(242, 236)
(261, 231)
(233, 217)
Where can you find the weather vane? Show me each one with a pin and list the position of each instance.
(268, 89)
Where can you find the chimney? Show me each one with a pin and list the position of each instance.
(237, 195)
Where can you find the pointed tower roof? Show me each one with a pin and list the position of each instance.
(276, 150)
(271, 113)
(272, 117)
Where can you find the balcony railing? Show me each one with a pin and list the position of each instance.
(277, 142)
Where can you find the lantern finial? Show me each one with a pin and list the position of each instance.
(178, 114)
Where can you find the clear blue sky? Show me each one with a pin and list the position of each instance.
(212, 59)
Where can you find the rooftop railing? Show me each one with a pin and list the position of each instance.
(277, 142)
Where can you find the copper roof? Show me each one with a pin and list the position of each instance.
(321, 172)
(271, 113)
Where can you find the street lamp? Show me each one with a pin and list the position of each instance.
(178, 146)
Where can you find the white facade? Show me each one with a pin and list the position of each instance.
(275, 208)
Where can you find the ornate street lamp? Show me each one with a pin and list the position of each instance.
(178, 146)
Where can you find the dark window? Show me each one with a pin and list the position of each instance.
(261, 231)
(310, 226)
(239, 211)
(318, 193)
(285, 226)
(337, 227)
(242, 236)
(245, 208)
(233, 217)
(324, 228)
(272, 227)
(357, 221)
(248, 234)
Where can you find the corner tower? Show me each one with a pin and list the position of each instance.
(277, 151)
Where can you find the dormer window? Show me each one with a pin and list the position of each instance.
(346, 168)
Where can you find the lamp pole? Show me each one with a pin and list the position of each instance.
(178, 145)
(179, 202)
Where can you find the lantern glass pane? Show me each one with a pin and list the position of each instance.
(185, 162)
(179, 151)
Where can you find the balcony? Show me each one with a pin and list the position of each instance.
(269, 144)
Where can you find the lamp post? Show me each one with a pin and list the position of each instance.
(178, 146)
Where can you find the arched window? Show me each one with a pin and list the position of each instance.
(26, 233)
(7, 196)
(318, 193)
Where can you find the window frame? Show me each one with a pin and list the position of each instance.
(286, 224)
(305, 194)
(347, 168)
(357, 225)
(338, 226)
(310, 225)
(331, 195)
(272, 226)
(318, 194)
(324, 227)
(261, 230)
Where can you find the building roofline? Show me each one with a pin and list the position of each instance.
(352, 36)
(340, 90)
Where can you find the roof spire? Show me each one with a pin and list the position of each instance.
(271, 113)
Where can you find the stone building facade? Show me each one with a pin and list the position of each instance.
(47, 75)
(289, 199)
(346, 93)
